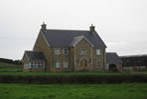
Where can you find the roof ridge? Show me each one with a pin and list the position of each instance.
(111, 53)
(33, 51)
(135, 55)
(66, 30)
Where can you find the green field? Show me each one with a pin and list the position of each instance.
(69, 91)
(75, 91)
(71, 73)
(6, 67)
(58, 73)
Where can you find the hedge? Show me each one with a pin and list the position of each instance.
(73, 79)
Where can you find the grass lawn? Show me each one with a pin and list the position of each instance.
(70, 73)
(58, 73)
(9, 67)
(75, 91)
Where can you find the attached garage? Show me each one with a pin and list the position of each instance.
(114, 63)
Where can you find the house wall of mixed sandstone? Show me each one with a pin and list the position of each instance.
(62, 58)
(26, 61)
(42, 46)
(94, 62)
(119, 67)
(49, 53)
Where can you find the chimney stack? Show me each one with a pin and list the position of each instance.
(92, 28)
(43, 26)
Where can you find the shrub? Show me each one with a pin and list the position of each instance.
(73, 79)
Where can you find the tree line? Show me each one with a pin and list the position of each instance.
(10, 61)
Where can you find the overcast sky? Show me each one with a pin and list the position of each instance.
(122, 24)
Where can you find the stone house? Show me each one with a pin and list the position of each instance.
(66, 51)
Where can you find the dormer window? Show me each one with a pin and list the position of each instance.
(98, 52)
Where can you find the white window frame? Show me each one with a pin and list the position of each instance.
(36, 64)
(83, 51)
(25, 66)
(58, 64)
(29, 65)
(66, 65)
(40, 64)
(65, 51)
(57, 51)
(98, 51)
(33, 65)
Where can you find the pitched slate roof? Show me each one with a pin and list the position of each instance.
(78, 39)
(33, 55)
(64, 38)
(113, 58)
(131, 56)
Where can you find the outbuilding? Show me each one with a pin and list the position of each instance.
(114, 63)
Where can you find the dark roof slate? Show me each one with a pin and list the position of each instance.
(113, 58)
(64, 38)
(34, 55)
(134, 56)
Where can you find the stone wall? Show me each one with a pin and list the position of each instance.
(25, 61)
(94, 62)
(42, 46)
(119, 67)
(62, 58)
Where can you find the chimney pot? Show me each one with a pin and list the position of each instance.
(43, 26)
(92, 28)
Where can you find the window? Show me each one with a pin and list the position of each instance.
(42, 64)
(36, 65)
(98, 52)
(33, 65)
(27, 66)
(65, 64)
(58, 65)
(65, 51)
(39, 64)
(57, 51)
(83, 52)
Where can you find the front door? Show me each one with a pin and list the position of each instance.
(84, 64)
